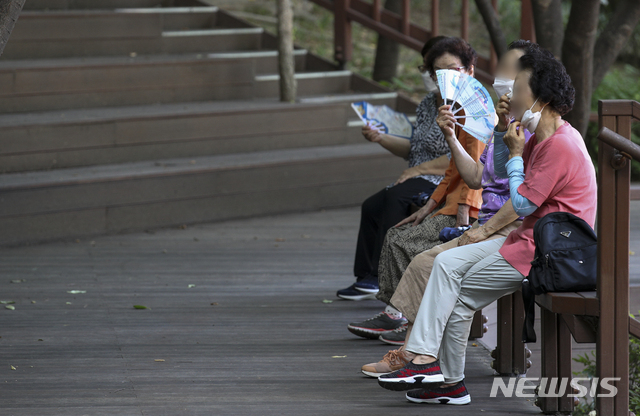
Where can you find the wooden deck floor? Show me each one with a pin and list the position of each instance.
(252, 337)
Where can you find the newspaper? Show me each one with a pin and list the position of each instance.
(384, 119)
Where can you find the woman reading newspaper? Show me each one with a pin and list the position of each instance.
(427, 154)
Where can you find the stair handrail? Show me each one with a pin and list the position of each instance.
(398, 27)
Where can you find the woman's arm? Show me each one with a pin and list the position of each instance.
(500, 155)
(500, 151)
(470, 170)
(436, 166)
(505, 216)
(521, 205)
(515, 141)
(396, 145)
(468, 197)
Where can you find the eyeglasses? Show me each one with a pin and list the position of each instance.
(423, 68)
(455, 68)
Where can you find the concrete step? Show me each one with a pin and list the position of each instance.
(92, 4)
(70, 203)
(104, 82)
(121, 32)
(62, 139)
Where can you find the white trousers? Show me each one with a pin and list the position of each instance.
(463, 280)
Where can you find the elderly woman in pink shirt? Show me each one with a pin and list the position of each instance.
(552, 172)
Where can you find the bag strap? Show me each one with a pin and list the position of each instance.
(528, 297)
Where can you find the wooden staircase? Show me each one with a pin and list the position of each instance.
(125, 115)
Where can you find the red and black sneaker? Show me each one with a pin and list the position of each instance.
(456, 394)
(411, 376)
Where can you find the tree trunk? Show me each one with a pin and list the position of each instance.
(385, 66)
(9, 11)
(286, 60)
(577, 56)
(547, 16)
(613, 38)
(492, 22)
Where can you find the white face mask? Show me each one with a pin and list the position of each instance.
(429, 85)
(530, 119)
(503, 86)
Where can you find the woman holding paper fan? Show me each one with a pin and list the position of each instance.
(428, 155)
(453, 203)
(552, 172)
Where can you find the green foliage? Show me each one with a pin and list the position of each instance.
(589, 361)
(620, 83)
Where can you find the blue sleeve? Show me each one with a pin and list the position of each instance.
(521, 205)
(500, 154)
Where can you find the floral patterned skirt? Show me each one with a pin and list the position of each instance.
(402, 244)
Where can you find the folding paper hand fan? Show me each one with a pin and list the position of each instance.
(473, 98)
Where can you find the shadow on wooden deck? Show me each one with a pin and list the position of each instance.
(252, 337)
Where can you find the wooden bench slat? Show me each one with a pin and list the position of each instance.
(634, 327)
(574, 303)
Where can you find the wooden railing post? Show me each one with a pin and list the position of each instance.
(527, 27)
(406, 17)
(376, 10)
(612, 349)
(606, 264)
(464, 20)
(621, 353)
(435, 18)
(342, 33)
(493, 58)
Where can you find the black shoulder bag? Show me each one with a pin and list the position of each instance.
(564, 261)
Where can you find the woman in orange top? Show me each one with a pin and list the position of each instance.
(452, 204)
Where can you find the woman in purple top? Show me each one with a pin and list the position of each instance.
(495, 220)
(495, 190)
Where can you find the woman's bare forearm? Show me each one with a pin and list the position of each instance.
(505, 216)
(396, 145)
(469, 169)
(436, 166)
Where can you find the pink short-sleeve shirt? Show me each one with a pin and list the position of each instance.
(559, 176)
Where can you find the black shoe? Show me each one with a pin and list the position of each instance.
(351, 293)
(395, 337)
(380, 324)
(412, 376)
(456, 394)
(368, 285)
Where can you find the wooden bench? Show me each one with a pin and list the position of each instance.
(511, 355)
(564, 315)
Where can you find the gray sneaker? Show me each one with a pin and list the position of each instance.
(395, 337)
(380, 324)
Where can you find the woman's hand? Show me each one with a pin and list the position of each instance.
(408, 174)
(371, 134)
(419, 215)
(502, 110)
(462, 218)
(472, 236)
(446, 121)
(515, 139)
